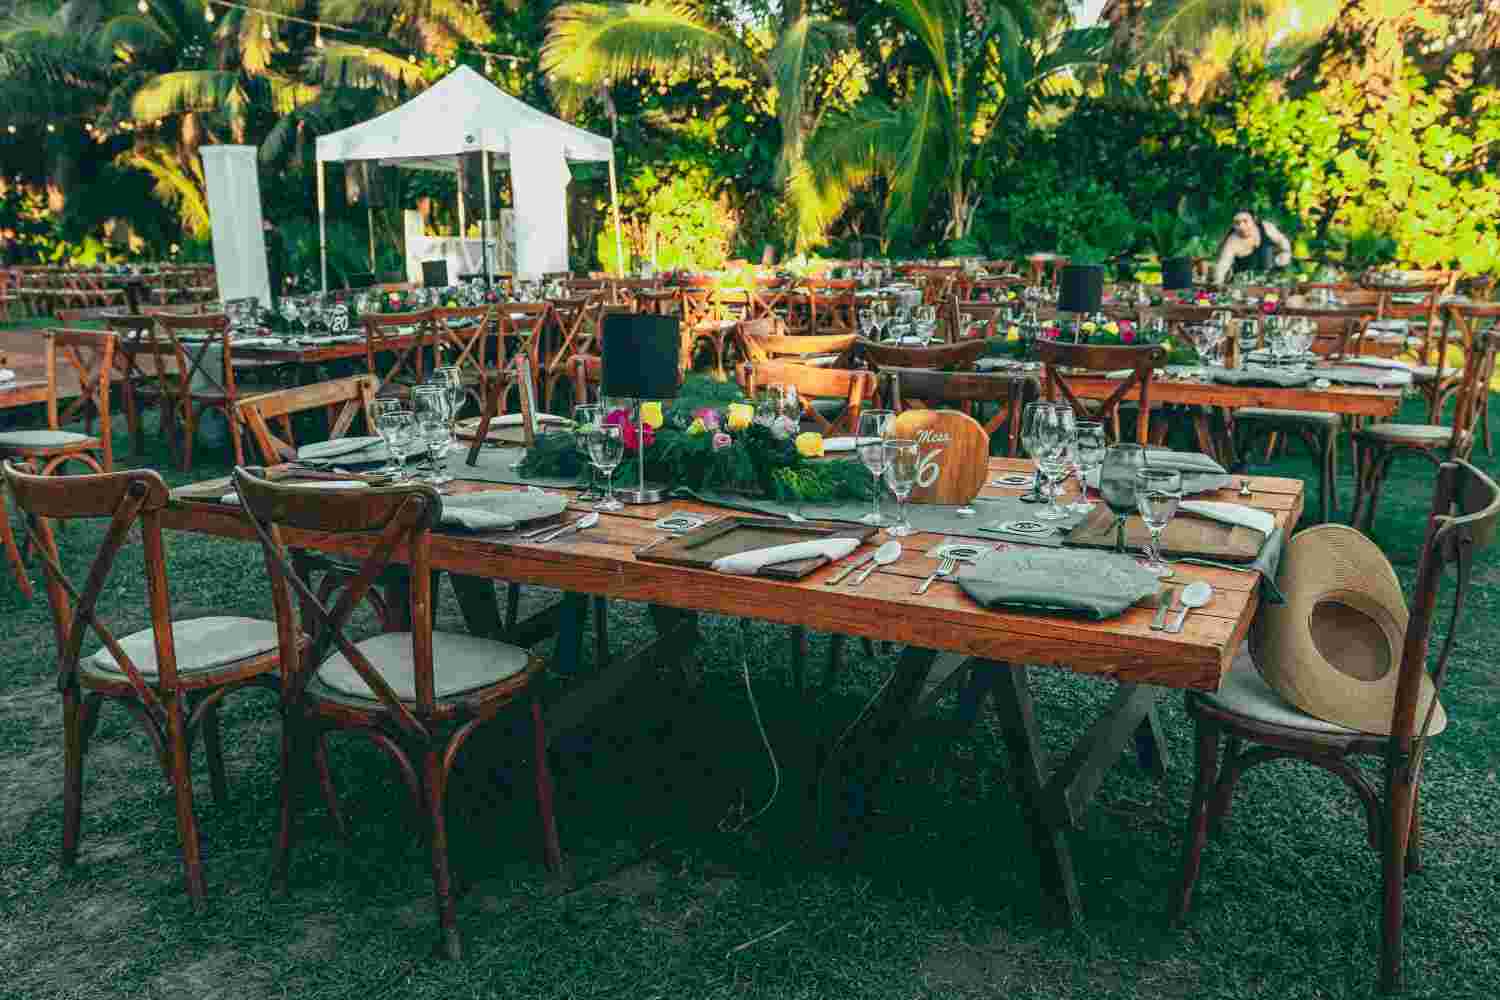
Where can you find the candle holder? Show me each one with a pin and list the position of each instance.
(641, 356)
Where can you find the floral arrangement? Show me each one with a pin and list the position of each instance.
(709, 438)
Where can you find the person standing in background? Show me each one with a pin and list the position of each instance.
(275, 261)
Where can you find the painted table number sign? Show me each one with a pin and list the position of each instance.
(955, 454)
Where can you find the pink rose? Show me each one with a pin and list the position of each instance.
(722, 441)
(709, 416)
(1127, 336)
(1268, 307)
(628, 430)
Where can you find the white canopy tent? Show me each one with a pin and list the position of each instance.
(465, 113)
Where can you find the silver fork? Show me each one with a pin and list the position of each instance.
(945, 569)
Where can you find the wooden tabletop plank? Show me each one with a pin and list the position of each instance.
(1355, 400)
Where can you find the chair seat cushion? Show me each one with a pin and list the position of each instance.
(44, 439)
(1245, 693)
(460, 663)
(1421, 433)
(1287, 416)
(201, 644)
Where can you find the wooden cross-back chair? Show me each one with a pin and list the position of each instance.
(137, 365)
(171, 676)
(525, 326)
(89, 356)
(1045, 270)
(832, 398)
(577, 323)
(988, 319)
(949, 357)
(758, 340)
(1377, 446)
(403, 339)
(924, 388)
(1256, 726)
(417, 695)
(468, 338)
(269, 415)
(1096, 359)
(1460, 325)
(201, 378)
(587, 348)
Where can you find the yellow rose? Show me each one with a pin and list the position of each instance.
(1013, 332)
(1273, 297)
(1089, 326)
(740, 416)
(651, 415)
(810, 444)
(1111, 327)
(696, 427)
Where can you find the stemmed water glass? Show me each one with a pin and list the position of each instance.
(430, 405)
(869, 324)
(873, 427)
(1089, 449)
(606, 444)
(1157, 493)
(1055, 435)
(1117, 484)
(451, 378)
(290, 312)
(397, 428)
(585, 418)
(380, 408)
(902, 460)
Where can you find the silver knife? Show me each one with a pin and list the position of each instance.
(849, 568)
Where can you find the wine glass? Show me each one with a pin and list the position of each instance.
(430, 405)
(1117, 484)
(868, 324)
(873, 427)
(381, 407)
(585, 417)
(289, 311)
(902, 459)
(397, 428)
(1089, 450)
(1157, 493)
(451, 378)
(606, 443)
(1054, 433)
(1249, 335)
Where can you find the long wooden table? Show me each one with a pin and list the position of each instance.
(948, 639)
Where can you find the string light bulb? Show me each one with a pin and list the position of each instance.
(11, 129)
(51, 127)
(143, 7)
(489, 65)
(411, 57)
(265, 29)
(208, 13)
(318, 38)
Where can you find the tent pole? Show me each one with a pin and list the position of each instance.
(322, 230)
(489, 221)
(463, 222)
(369, 212)
(614, 200)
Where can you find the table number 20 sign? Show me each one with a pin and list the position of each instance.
(955, 454)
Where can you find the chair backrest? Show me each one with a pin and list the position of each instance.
(402, 336)
(90, 355)
(987, 317)
(401, 519)
(471, 343)
(1096, 358)
(1479, 367)
(767, 347)
(203, 365)
(967, 391)
(270, 412)
(588, 375)
(954, 357)
(137, 496)
(852, 386)
(1465, 513)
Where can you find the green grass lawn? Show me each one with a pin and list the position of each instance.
(938, 899)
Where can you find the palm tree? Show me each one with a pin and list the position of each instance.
(982, 68)
(591, 45)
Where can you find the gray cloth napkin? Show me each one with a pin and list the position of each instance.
(1183, 461)
(1266, 564)
(1384, 378)
(1260, 376)
(1088, 583)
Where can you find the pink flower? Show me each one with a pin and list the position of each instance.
(1127, 336)
(722, 441)
(1268, 307)
(628, 430)
(709, 416)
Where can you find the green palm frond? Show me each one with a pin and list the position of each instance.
(933, 22)
(138, 35)
(1188, 24)
(929, 148)
(188, 90)
(287, 93)
(440, 24)
(179, 187)
(362, 67)
(589, 45)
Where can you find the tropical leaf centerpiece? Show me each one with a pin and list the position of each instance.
(709, 439)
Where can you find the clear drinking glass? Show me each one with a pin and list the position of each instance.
(451, 377)
(585, 418)
(606, 450)
(1089, 450)
(1054, 432)
(1157, 494)
(1117, 484)
(430, 406)
(398, 428)
(380, 407)
(902, 459)
(873, 427)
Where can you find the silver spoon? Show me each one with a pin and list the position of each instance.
(1194, 595)
(884, 556)
(586, 521)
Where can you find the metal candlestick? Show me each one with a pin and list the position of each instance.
(640, 494)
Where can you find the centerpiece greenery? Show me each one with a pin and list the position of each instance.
(708, 439)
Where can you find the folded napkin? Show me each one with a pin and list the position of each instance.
(1090, 583)
(6, 375)
(752, 562)
(1390, 325)
(1259, 376)
(1361, 375)
(1120, 373)
(1409, 298)
(1230, 513)
(323, 450)
(1184, 461)
(500, 510)
(839, 444)
(1391, 363)
(325, 484)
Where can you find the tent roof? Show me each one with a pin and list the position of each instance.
(461, 113)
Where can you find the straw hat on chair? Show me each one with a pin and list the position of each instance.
(1333, 649)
